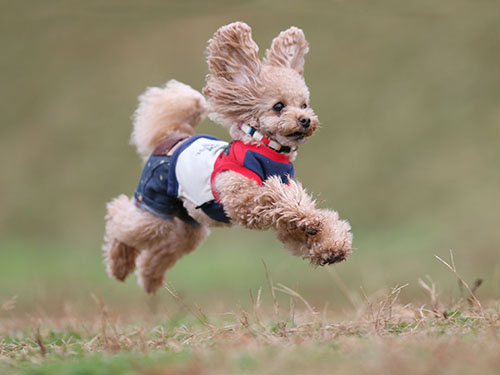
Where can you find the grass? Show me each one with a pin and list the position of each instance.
(70, 318)
(289, 336)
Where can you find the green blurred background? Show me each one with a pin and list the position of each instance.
(408, 94)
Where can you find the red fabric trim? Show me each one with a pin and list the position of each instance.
(234, 159)
(263, 150)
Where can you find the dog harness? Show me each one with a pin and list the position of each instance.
(188, 172)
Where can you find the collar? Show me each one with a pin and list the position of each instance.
(266, 141)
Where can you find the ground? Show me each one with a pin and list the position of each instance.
(278, 332)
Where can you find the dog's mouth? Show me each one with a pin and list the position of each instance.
(296, 136)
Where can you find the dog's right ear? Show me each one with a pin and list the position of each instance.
(233, 55)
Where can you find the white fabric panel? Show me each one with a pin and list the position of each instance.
(194, 168)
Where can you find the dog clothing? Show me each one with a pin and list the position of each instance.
(253, 161)
(189, 171)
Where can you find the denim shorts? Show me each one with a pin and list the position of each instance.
(152, 194)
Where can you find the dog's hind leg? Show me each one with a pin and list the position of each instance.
(120, 258)
(128, 230)
(162, 253)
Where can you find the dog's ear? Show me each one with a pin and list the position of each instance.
(233, 55)
(288, 50)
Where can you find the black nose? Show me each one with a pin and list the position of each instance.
(304, 121)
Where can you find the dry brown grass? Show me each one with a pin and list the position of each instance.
(379, 335)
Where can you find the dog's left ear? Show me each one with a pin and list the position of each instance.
(288, 50)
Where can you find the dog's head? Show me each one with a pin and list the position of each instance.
(269, 95)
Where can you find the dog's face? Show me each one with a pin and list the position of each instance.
(283, 111)
(270, 95)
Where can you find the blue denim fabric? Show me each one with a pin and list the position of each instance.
(151, 193)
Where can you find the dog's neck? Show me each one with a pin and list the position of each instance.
(272, 144)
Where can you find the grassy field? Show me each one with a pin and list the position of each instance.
(219, 314)
(407, 93)
(378, 336)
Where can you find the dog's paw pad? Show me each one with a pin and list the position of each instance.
(333, 259)
(312, 231)
(328, 259)
(311, 228)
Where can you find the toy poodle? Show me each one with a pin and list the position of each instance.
(193, 181)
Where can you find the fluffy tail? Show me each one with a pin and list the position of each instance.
(163, 111)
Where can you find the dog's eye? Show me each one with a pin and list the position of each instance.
(303, 106)
(278, 107)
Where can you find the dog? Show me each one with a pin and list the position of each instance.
(191, 182)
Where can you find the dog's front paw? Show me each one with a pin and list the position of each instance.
(325, 256)
(333, 244)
